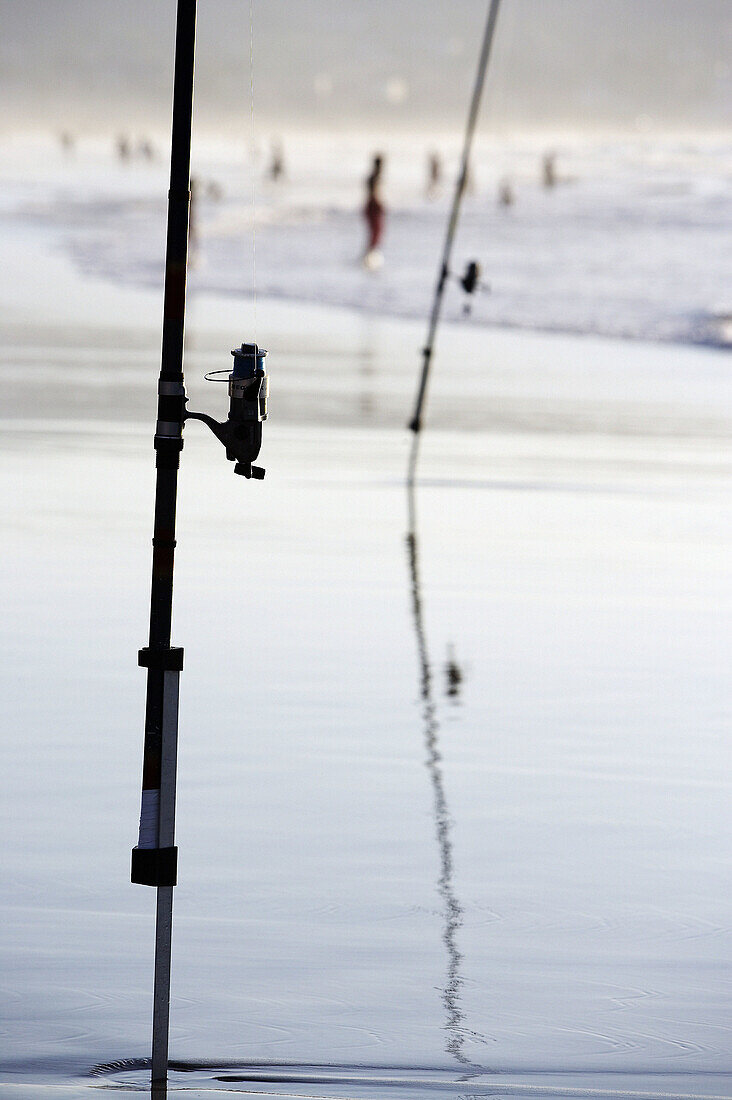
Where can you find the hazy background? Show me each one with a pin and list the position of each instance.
(638, 65)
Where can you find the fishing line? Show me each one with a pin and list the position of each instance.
(415, 424)
(254, 167)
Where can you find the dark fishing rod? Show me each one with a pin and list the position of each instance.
(415, 424)
(155, 857)
(154, 860)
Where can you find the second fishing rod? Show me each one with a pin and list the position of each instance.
(416, 423)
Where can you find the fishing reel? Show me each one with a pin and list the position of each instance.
(471, 283)
(241, 433)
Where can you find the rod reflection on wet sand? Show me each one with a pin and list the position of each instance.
(453, 912)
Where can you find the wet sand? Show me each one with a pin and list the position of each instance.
(526, 880)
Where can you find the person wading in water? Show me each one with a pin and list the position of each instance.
(373, 212)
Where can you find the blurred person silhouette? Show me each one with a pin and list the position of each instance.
(434, 174)
(68, 142)
(145, 149)
(374, 214)
(277, 162)
(549, 170)
(506, 196)
(123, 147)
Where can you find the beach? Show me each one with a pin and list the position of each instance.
(512, 879)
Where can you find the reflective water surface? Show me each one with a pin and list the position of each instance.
(454, 793)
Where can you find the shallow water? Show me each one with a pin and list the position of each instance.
(632, 242)
(454, 795)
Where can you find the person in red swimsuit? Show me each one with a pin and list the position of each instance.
(373, 211)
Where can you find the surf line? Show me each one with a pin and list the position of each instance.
(415, 424)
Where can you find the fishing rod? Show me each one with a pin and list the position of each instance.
(415, 424)
(155, 857)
